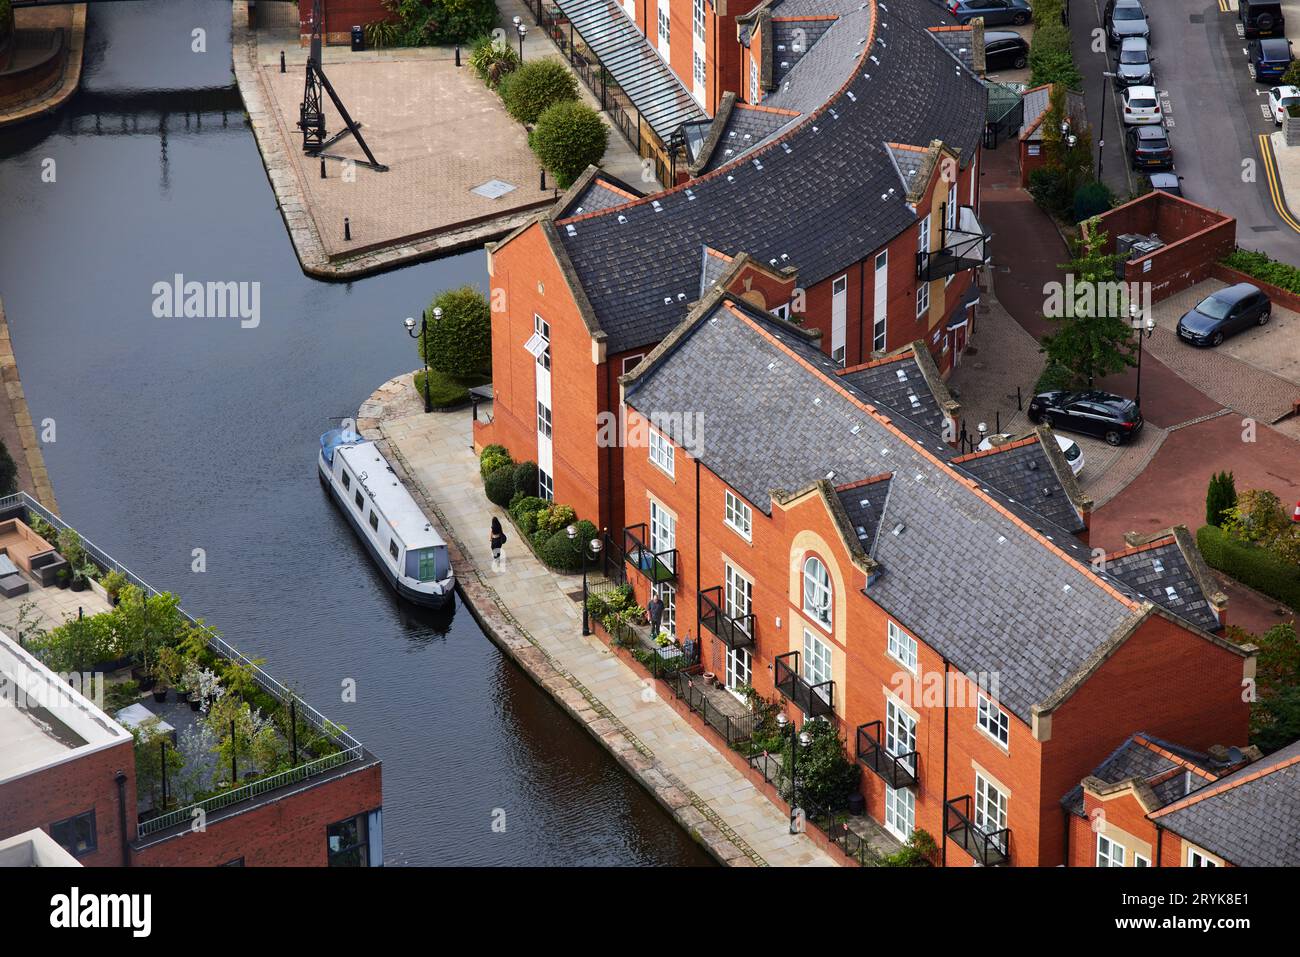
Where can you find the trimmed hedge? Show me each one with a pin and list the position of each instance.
(1262, 266)
(493, 457)
(1251, 566)
(568, 138)
(1051, 59)
(526, 479)
(535, 86)
(459, 344)
(564, 553)
(500, 485)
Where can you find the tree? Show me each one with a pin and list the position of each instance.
(536, 86)
(568, 138)
(1093, 337)
(1257, 517)
(460, 343)
(1219, 497)
(1275, 712)
(149, 764)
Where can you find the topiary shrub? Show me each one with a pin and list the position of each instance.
(564, 553)
(1091, 199)
(526, 478)
(535, 87)
(493, 457)
(1050, 189)
(1219, 497)
(460, 343)
(493, 60)
(500, 485)
(568, 138)
(1054, 377)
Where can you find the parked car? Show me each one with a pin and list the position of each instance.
(1148, 148)
(994, 12)
(1005, 51)
(1170, 183)
(1140, 104)
(1069, 448)
(1261, 18)
(1270, 58)
(1134, 68)
(1279, 98)
(1103, 414)
(1125, 18)
(1225, 313)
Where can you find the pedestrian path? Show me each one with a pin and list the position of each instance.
(702, 788)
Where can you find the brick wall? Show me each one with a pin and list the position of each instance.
(340, 17)
(74, 787)
(289, 832)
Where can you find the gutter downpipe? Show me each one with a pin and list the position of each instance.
(943, 824)
(120, 778)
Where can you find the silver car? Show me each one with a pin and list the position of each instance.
(1134, 68)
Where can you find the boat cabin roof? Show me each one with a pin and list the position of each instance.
(391, 500)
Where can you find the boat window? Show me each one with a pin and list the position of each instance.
(374, 521)
(392, 548)
(359, 499)
(347, 480)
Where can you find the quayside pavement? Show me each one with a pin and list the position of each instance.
(527, 610)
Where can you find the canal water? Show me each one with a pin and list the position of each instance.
(179, 434)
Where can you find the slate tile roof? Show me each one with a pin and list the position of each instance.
(910, 163)
(898, 385)
(864, 503)
(715, 264)
(745, 128)
(962, 572)
(960, 43)
(1141, 757)
(1161, 572)
(1022, 470)
(601, 192)
(826, 195)
(1250, 818)
(791, 40)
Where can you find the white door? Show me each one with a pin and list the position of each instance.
(839, 314)
(739, 670)
(900, 812)
(663, 532)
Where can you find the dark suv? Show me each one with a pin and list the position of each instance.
(1223, 313)
(1261, 19)
(1148, 148)
(1270, 58)
(1103, 414)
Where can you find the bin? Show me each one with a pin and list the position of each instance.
(358, 39)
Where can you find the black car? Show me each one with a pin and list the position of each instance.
(1110, 417)
(1005, 51)
(1261, 18)
(1148, 148)
(1170, 183)
(1225, 312)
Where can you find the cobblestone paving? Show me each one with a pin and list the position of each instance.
(528, 608)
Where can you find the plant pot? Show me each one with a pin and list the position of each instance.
(160, 695)
(78, 584)
(181, 696)
(195, 703)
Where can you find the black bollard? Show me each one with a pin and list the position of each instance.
(543, 186)
(322, 169)
(347, 228)
(458, 54)
(281, 61)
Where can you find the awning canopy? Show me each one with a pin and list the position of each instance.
(648, 81)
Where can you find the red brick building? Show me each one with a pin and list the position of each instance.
(849, 195)
(811, 529)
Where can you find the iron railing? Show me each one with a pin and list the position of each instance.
(349, 748)
(612, 561)
(734, 632)
(896, 770)
(658, 566)
(961, 248)
(814, 700)
(990, 849)
(735, 730)
(832, 822)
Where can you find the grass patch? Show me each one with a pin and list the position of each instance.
(445, 391)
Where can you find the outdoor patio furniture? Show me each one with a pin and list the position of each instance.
(46, 567)
(7, 566)
(12, 585)
(21, 544)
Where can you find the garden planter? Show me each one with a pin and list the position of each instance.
(195, 703)
(99, 590)
(160, 695)
(78, 585)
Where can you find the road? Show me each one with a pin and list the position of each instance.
(1215, 112)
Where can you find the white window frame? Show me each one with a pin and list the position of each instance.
(992, 807)
(740, 670)
(993, 721)
(755, 94)
(542, 331)
(663, 528)
(699, 72)
(664, 21)
(631, 362)
(668, 595)
(1109, 853)
(815, 588)
(1140, 860)
(738, 516)
(661, 453)
(900, 812)
(902, 647)
(880, 321)
(697, 19)
(818, 659)
(737, 592)
(545, 485)
(544, 420)
(922, 299)
(1199, 858)
(900, 731)
(923, 234)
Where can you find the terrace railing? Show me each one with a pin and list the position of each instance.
(658, 566)
(990, 848)
(734, 632)
(814, 700)
(831, 821)
(896, 770)
(736, 730)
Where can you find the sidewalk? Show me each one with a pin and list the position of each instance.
(529, 609)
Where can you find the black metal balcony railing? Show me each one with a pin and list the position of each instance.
(813, 700)
(990, 849)
(612, 560)
(964, 247)
(896, 770)
(735, 633)
(658, 566)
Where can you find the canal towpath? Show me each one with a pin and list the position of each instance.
(527, 610)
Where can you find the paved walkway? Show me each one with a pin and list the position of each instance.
(682, 768)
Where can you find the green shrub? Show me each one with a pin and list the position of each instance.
(1261, 266)
(8, 470)
(1219, 497)
(1054, 377)
(568, 138)
(1050, 188)
(1091, 199)
(1250, 565)
(381, 34)
(460, 343)
(526, 479)
(1050, 56)
(500, 485)
(562, 553)
(492, 60)
(493, 457)
(535, 86)
(555, 517)
(421, 22)
(919, 851)
(826, 775)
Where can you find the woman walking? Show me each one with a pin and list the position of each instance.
(498, 540)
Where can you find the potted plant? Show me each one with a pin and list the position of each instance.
(83, 574)
(63, 577)
(168, 669)
(113, 582)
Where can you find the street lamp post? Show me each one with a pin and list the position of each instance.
(1144, 328)
(410, 331)
(594, 546)
(523, 32)
(802, 740)
(1101, 135)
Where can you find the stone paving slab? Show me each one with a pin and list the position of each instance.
(652, 741)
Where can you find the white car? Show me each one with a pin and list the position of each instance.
(1141, 104)
(1279, 98)
(1069, 448)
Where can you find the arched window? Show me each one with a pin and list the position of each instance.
(817, 591)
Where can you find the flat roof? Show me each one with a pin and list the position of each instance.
(389, 495)
(43, 719)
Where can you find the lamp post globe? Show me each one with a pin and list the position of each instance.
(409, 323)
